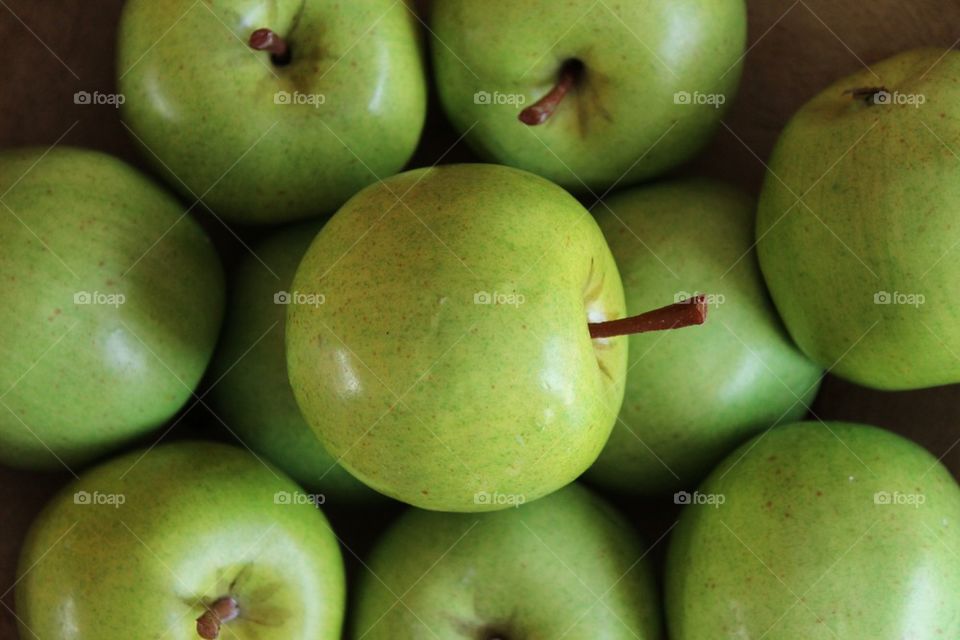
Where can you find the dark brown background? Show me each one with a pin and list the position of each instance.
(796, 48)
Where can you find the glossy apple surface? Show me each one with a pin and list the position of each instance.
(857, 233)
(139, 546)
(252, 392)
(451, 356)
(625, 119)
(565, 566)
(693, 396)
(112, 304)
(825, 530)
(257, 141)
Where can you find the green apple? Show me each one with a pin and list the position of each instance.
(694, 397)
(113, 298)
(252, 392)
(567, 566)
(272, 110)
(154, 543)
(462, 344)
(856, 230)
(819, 530)
(588, 94)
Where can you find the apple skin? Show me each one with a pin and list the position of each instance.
(80, 380)
(421, 391)
(252, 393)
(196, 517)
(203, 104)
(538, 571)
(693, 396)
(621, 124)
(802, 519)
(864, 229)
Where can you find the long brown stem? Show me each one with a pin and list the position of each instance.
(223, 610)
(542, 109)
(675, 316)
(267, 40)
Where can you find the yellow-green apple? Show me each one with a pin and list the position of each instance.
(186, 541)
(467, 341)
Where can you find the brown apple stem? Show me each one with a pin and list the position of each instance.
(267, 40)
(542, 109)
(867, 94)
(675, 316)
(223, 610)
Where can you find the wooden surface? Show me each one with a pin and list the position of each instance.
(53, 48)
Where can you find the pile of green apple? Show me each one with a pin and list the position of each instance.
(473, 339)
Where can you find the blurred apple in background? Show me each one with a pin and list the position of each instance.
(566, 566)
(113, 299)
(693, 396)
(252, 391)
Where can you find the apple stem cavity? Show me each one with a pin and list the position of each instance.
(867, 94)
(269, 41)
(540, 111)
(687, 313)
(223, 610)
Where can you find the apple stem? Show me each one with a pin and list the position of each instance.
(688, 313)
(542, 109)
(867, 94)
(223, 610)
(267, 40)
